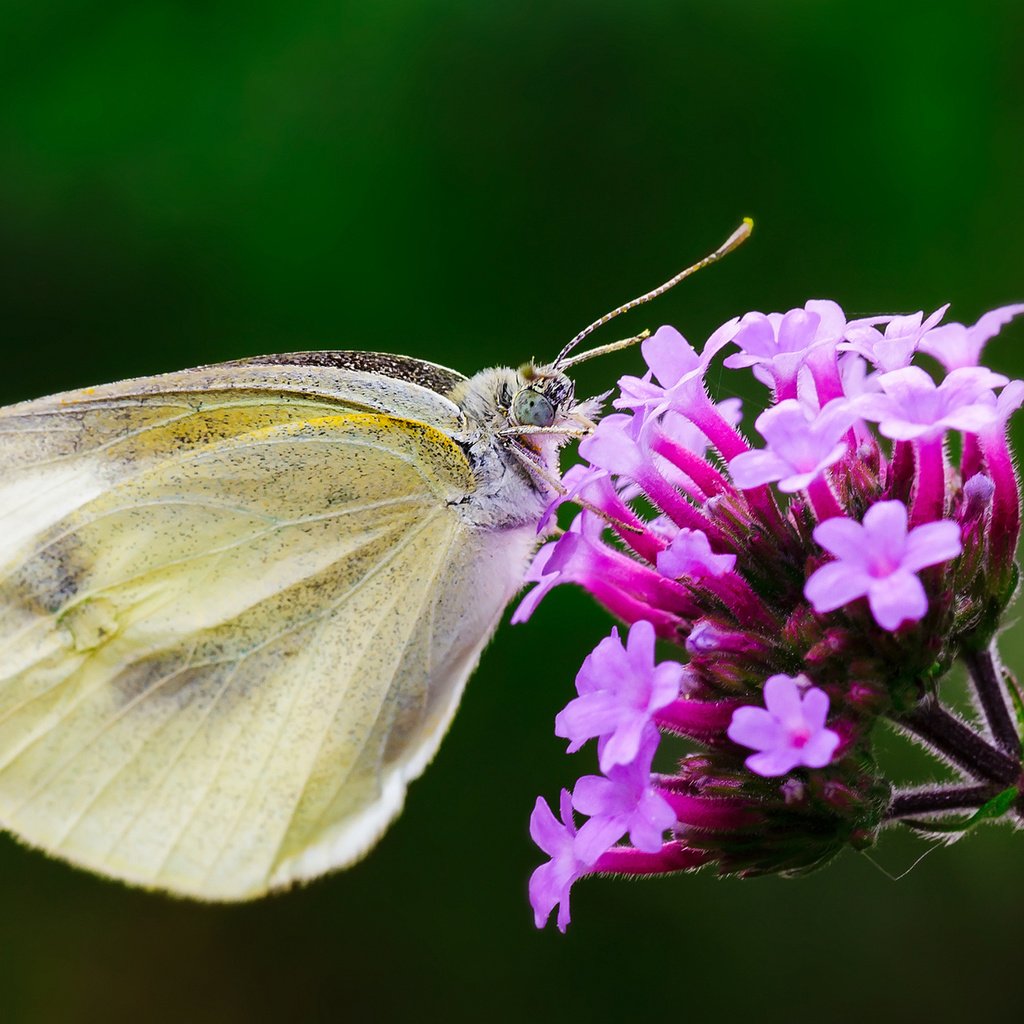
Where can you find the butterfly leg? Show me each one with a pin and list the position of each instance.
(530, 460)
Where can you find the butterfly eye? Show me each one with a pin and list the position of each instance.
(532, 409)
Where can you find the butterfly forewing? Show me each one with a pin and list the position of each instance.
(232, 625)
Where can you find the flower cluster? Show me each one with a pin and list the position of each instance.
(813, 584)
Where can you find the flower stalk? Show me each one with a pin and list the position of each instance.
(987, 678)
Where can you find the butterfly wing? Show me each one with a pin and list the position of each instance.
(230, 631)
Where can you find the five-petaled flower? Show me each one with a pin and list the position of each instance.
(879, 559)
(619, 688)
(550, 882)
(789, 731)
(624, 801)
(802, 443)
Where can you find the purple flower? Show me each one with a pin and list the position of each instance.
(737, 556)
(956, 346)
(789, 731)
(1009, 401)
(879, 559)
(778, 344)
(894, 349)
(690, 555)
(620, 689)
(630, 589)
(913, 407)
(856, 380)
(624, 802)
(684, 433)
(802, 444)
(550, 883)
(615, 446)
(557, 562)
(677, 368)
(621, 446)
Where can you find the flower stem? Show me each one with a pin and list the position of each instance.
(987, 677)
(959, 743)
(938, 799)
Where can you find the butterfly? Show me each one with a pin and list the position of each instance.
(239, 604)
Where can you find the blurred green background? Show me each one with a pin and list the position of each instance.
(471, 182)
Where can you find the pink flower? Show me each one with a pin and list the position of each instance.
(789, 731)
(677, 368)
(630, 589)
(956, 346)
(615, 446)
(557, 562)
(1009, 401)
(624, 802)
(802, 444)
(550, 883)
(894, 349)
(620, 445)
(778, 344)
(913, 407)
(684, 536)
(879, 559)
(690, 555)
(620, 689)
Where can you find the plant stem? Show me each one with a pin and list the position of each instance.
(987, 677)
(907, 803)
(959, 743)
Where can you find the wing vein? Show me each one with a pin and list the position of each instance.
(440, 563)
(275, 524)
(271, 747)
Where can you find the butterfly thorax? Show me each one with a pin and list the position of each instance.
(516, 421)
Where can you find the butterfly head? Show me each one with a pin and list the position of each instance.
(545, 395)
(532, 409)
(542, 411)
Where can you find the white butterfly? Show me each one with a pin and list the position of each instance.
(239, 604)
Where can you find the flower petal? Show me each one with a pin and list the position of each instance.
(843, 538)
(669, 355)
(545, 829)
(772, 763)
(755, 728)
(931, 544)
(782, 699)
(597, 835)
(815, 708)
(836, 584)
(757, 467)
(897, 598)
(818, 750)
(886, 519)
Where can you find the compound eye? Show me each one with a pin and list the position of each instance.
(532, 409)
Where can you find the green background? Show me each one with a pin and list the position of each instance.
(472, 182)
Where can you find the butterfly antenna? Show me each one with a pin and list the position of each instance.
(740, 235)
